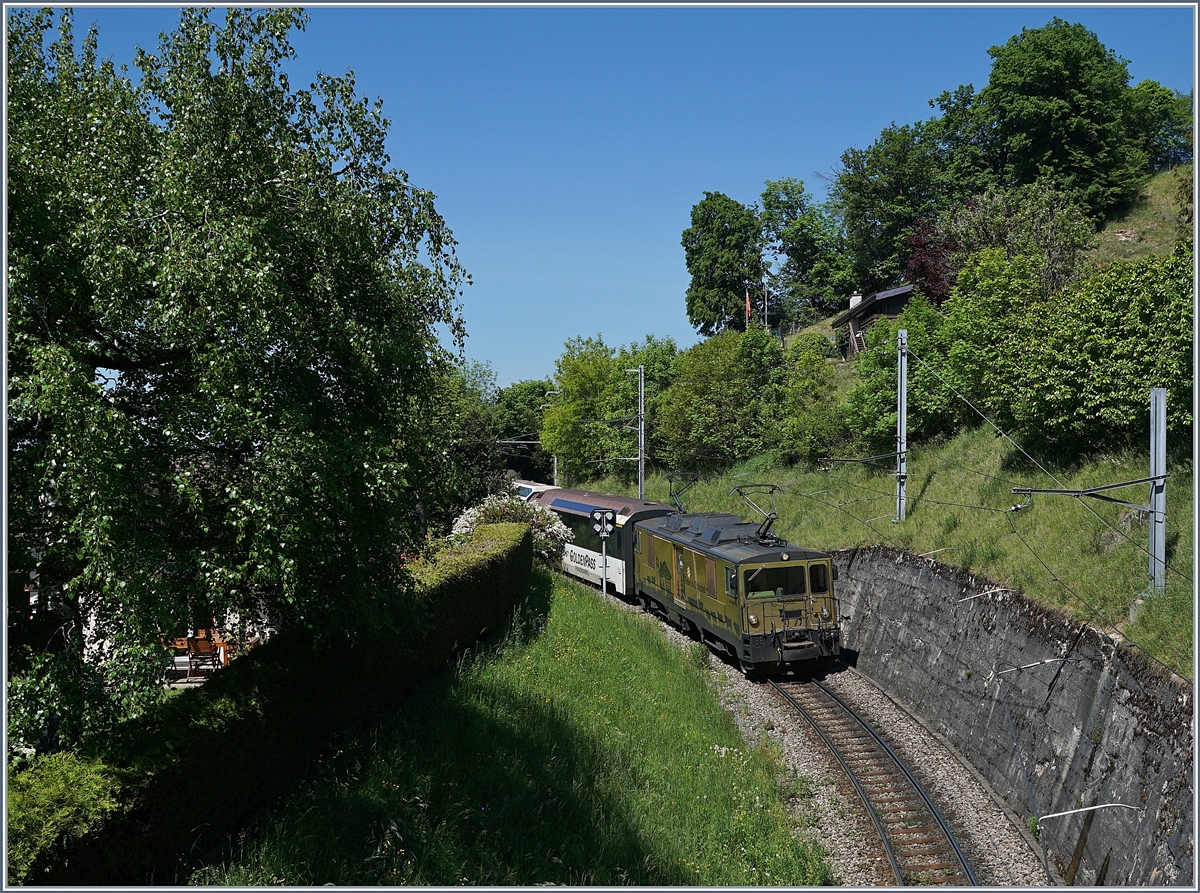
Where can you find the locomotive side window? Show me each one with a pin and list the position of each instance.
(731, 581)
(818, 576)
(778, 582)
(637, 540)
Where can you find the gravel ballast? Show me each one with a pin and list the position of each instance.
(1001, 852)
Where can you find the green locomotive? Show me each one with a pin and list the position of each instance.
(767, 603)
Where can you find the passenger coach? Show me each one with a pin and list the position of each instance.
(583, 556)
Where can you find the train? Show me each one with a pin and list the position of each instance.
(767, 604)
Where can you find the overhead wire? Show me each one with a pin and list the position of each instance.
(1104, 620)
(1002, 433)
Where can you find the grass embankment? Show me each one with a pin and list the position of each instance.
(1151, 226)
(585, 749)
(1091, 564)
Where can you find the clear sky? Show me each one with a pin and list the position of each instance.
(567, 146)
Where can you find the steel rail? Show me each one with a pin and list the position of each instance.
(913, 781)
(887, 846)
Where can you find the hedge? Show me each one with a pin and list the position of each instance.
(216, 756)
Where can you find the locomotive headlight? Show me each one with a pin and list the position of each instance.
(754, 620)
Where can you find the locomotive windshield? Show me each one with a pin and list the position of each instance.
(766, 582)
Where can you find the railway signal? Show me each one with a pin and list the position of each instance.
(603, 522)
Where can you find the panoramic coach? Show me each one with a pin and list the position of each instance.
(582, 557)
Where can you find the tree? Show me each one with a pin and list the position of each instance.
(222, 358)
(881, 193)
(715, 410)
(808, 423)
(657, 355)
(518, 414)
(1162, 123)
(814, 273)
(723, 251)
(584, 376)
(469, 465)
(1059, 104)
(1036, 219)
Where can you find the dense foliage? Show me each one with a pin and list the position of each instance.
(1057, 112)
(1069, 372)
(591, 424)
(222, 354)
(723, 252)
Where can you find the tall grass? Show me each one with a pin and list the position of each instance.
(584, 750)
(1085, 556)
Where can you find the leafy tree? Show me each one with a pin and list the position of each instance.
(584, 377)
(966, 146)
(1035, 219)
(1083, 375)
(930, 263)
(518, 415)
(723, 251)
(1162, 122)
(992, 315)
(657, 355)
(933, 410)
(881, 193)
(470, 462)
(808, 423)
(716, 411)
(1060, 106)
(222, 355)
(814, 272)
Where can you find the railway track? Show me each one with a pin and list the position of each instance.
(917, 841)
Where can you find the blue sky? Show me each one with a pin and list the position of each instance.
(567, 145)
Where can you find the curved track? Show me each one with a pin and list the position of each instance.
(917, 841)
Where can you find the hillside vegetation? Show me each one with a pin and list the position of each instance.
(1152, 225)
(1086, 557)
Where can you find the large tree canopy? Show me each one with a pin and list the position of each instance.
(723, 251)
(221, 343)
(881, 193)
(1060, 106)
(814, 273)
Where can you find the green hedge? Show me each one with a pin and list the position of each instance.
(215, 757)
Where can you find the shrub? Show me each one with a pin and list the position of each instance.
(549, 532)
(59, 798)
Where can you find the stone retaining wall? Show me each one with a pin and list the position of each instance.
(1106, 725)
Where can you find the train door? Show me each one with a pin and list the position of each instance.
(680, 576)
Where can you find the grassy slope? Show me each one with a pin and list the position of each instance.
(587, 752)
(1150, 227)
(1056, 550)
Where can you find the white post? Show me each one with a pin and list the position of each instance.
(1158, 490)
(641, 432)
(901, 421)
(604, 563)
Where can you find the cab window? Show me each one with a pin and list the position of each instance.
(777, 582)
(818, 576)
